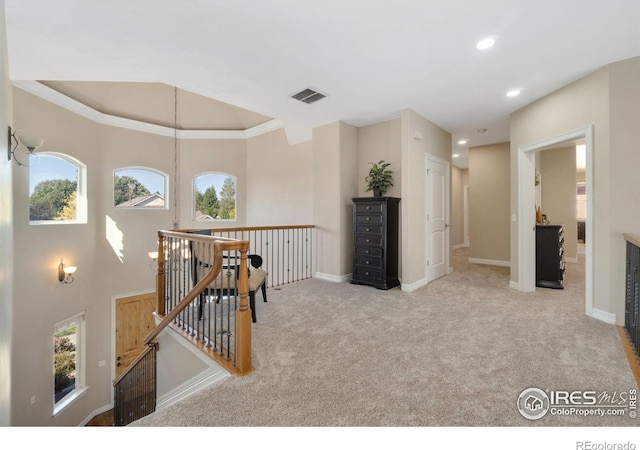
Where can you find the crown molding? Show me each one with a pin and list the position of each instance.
(63, 101)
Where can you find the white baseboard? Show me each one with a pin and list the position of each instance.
(410, 287)
(200, 381)
(458, 246)
(207, 377)
(333, 278)
(514, 285)
(490, 262)
(604, 316)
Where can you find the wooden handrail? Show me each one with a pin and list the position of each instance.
(242, 364)
(130, 367)
(275, 227)
(220, 244)
(634, 239)
(191, 295)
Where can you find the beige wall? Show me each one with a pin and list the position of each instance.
(489, 203)
(348, 190)
(279, 181)
(43, 301)
(334, 167)
(379, 142)
(558, 172)
(608, 99)
(6, 235)
(459, 179)
(418, 137)
(624, 194)
(199, 156)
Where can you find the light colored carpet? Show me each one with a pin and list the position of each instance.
(457, 352)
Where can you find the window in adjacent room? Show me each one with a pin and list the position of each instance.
(581, 201)
(68, 361)
(57, 189)
(137, 187)
(214, 196)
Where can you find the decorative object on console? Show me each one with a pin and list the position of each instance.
(380, 178)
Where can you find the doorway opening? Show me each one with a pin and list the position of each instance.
(527, 207)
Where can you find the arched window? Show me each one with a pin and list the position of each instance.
(57, 189)
(214, 196)
(138, 187)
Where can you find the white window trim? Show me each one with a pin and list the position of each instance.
(81, 387)
(81, 197)
(193, 197)
(149, 169)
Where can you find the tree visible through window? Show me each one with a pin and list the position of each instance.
(65, 361)
(53, 189)
(139, 188)
(68, 365)
(215, 197)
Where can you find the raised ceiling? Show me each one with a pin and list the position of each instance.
(159, 104)
(371, 58)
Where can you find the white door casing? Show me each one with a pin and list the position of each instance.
(437, 217)
(526, 211)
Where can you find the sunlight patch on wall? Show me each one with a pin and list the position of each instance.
(115, 237)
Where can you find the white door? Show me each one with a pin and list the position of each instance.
(437, 220)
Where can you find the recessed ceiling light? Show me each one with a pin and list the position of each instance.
(485, 43)
(513, 93)
(456, 155)
(462, 142)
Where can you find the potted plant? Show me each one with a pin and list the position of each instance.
(380, 178)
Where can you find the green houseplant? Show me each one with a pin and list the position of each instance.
(380, 178)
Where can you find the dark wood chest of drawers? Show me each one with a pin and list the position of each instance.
(550, 256)
(375, 241)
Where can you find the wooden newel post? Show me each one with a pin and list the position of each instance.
(243, 317)
(160, 276)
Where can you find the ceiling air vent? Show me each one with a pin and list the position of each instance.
(308, 96)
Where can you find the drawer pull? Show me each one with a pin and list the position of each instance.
(367, 252)
(366, 273)
(368, 219)
(368, 229)
(367, 240)
(367, 262)
(368, 207)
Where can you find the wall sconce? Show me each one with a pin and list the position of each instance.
(32, 143)
(65, 274)
(154, 261)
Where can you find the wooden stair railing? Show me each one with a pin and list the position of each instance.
(242, 314)
(238, 363)
(287, 250)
